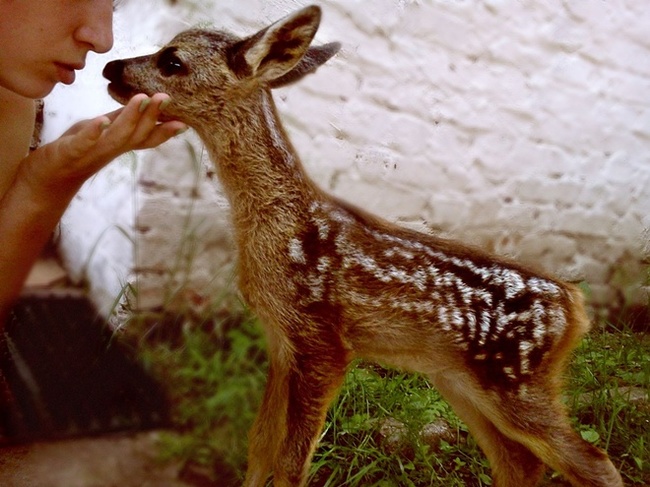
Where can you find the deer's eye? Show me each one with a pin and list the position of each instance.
(170, 64)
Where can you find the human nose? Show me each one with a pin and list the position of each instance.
(96, 29)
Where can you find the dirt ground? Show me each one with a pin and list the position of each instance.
(108, 461)
(116, 460)
(113, 460)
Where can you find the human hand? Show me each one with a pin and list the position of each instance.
(91, 144)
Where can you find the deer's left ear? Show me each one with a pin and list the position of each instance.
(276, 50)
(315, 57)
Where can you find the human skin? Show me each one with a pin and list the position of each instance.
(42, 43)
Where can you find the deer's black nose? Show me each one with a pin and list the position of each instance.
(113, 71)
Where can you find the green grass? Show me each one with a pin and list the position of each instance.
(609, 388)
(216, 374)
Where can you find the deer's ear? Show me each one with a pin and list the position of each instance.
(314, 58)
(276, 50)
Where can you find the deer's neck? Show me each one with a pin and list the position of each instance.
(258, 167)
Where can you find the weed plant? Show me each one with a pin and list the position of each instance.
(609, 396)
(216, 373)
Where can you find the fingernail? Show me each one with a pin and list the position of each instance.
(144, 104)
(164, 104)
(182, 131)
(105, 124)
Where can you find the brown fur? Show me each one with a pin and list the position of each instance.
(331, 282)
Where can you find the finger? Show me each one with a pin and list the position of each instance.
(84, 137)
(83, 124)
(149, 131)
(118, 138)
(126, 118)
(150, 112)
(135, 123)
(162, 133)
(114, 114)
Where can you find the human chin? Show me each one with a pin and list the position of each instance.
(42, 84)
(39, 84)
(39, 89)
(35, 88)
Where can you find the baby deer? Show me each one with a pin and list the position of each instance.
(331, 282)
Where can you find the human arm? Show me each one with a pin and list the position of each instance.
(47, 180)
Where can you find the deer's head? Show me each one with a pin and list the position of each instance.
(199, 68)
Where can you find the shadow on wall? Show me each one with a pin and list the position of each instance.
(67, 376)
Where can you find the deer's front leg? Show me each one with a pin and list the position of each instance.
(269, 430)
(313, 384)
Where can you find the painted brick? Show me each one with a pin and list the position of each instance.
(523, 127)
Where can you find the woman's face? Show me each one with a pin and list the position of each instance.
(43, 42)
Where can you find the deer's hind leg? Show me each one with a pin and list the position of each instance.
(521, 430)
(542, 424)
(512, 463)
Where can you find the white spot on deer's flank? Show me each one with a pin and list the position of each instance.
(323, 227)
(323, 264)
(296, 252)
(542, 286)
(510, 372)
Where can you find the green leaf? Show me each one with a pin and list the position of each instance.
(590, 435)
(485, 478)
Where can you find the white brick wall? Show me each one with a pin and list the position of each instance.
(520, 126)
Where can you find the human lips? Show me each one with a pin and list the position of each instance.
(66, 71)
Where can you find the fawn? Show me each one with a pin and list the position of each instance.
(331, 282)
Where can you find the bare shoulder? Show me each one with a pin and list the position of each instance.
(16, 127)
